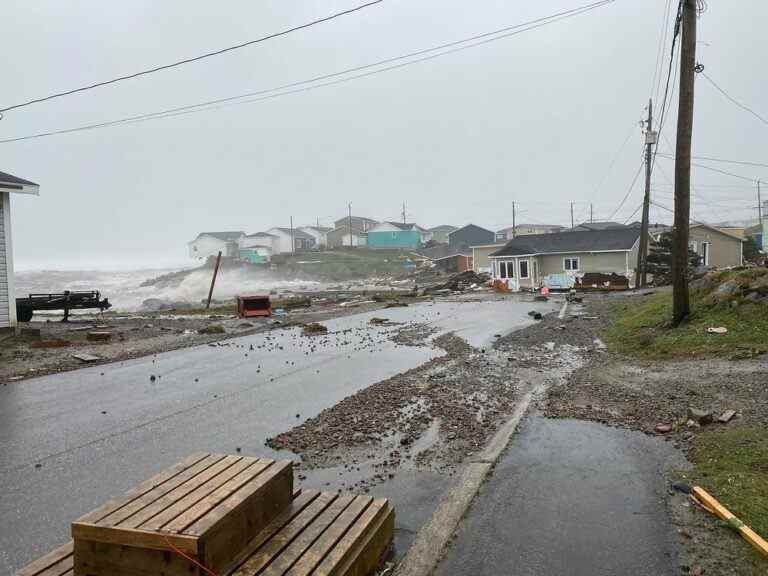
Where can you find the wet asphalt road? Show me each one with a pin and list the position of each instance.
(72, 440)
(571, 498)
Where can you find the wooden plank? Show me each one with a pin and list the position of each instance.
(291, 554)
(349, 505)
(178, 493)
(275, 545)
(116, 503)
(134, 537)
(297, 505)
(244, 514)
(98, 559)
(64, 568)
(126, 511)
(361, 549)
(195, 515)
(179, 506)
(313, 554)
(39, 566)
(721, 511)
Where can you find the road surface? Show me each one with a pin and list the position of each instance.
(70, 441)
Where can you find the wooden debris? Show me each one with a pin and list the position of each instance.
(83, 357)
(727, 416)
(99, 336)
(712, 505)
(58, 343)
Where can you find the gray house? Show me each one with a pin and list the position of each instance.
(9, 184)
(558, 260)
(471, 235)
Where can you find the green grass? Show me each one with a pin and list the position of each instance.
(642, 327)
(732, 465)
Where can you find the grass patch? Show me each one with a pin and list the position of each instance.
(732, 465)
(642, 327)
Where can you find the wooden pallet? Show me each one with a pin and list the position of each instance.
(236, 516)
(208, 507)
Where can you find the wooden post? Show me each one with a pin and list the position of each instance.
(681, 306)
(514, 221)
(642, 253)
(213, 280)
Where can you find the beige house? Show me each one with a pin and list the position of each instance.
(481, 262)
(527, 229)
(716, 247)
(558, 260)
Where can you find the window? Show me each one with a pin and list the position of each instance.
(571, 264)
(523, 269)
(502, 270)
(693, 246)
(705, 253)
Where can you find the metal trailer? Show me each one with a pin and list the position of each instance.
(67, 300)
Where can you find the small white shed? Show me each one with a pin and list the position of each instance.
(9, 184)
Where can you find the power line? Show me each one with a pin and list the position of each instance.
(658, 68)
(733, 100)
(705, 167)
(339, 77)
(723, 160)
(613, 160)
(192, 59)
(629, 191)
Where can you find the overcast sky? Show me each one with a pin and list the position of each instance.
(536, 119)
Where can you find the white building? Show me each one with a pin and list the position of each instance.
(319, 233)
(210, 243)
(260, 240)
(291, 240)
(9, 184)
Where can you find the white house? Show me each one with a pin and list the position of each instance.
(319, 233)
(291, 240)
(259, 240)
(9, 184)
(210, 243)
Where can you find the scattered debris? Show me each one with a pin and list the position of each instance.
(396, 305)
(31, 333)
(535, 315)
(377, 320)
(50, 344)
(212, 329)
(726, 416)
(314, 328)
(717, 330)
(99, 336)
(663, 429)
(83, 357)
(541, 298)
(701, 417)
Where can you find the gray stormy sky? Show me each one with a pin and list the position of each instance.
(536, 118)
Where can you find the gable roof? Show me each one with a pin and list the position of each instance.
(356, 231)
(716, 229)
(297, 233)
(12, 183)
(225, 236)
(402, 225)
(442, 251)
(322, 229)
(472, 227)
(444, 228)
(260, 235)
(612, 239)
(599, 226)
(543, 226)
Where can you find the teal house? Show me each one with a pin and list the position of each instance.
(394, 235)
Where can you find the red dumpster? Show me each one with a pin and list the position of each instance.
(253, 305)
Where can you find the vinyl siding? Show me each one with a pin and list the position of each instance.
(394, 239)
(482, 262)
(605, 262)
(5, 320)
(725, 251)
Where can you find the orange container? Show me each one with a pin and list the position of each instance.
(253, 305)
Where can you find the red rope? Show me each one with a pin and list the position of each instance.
(190, 558)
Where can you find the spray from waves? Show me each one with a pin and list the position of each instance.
(124, 290)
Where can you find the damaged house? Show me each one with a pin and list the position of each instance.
(561, 259)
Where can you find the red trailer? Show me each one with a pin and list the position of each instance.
(253, 305)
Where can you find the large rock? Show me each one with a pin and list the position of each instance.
(701, 417)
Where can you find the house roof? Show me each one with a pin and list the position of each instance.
(444, 228)
(15, 184)
(225, 236)
(612, 239)
(260, 235)
(297, 233)
(356, 230)
(599, 226)
(442, 251)
(475, 226)
(322, 229)
(403, 225)
(544, 226)
(716, 229)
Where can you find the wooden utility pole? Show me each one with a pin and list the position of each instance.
(404, 213)
(759, 205)
(591, 215)
(514, 221)
(681, 306)
(293, 239)
(571, 215)
(642, 253)
(349, 223)
(213, 280)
